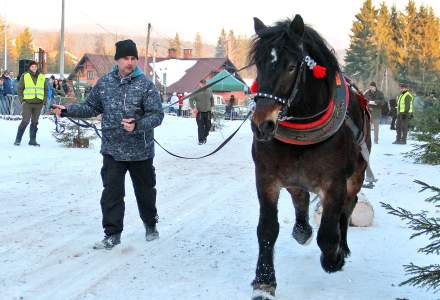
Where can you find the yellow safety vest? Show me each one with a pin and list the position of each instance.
(31, 90)
(401, 102)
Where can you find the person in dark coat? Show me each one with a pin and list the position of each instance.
(375, 102)
(202, 104)
(8, 88)
(131, 108)
(392, 103)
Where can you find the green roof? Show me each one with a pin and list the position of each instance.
(229, 84)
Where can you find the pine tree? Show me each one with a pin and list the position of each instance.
(410, 41)
(232, 46)
(53, 65)
(362, 51)
(425, 276)
(381, 38)
(396, 44)
(99, 46)
(221, 48)
(73, 136)
(198, 45)
(24, 45)
(427, 131)
(176, 44)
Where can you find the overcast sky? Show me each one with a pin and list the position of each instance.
(333, 19)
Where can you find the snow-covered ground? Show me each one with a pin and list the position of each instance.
(50, 217)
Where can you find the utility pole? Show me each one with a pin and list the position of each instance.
(146, 49)
(154, 62)
(62, 43)
(6, 41)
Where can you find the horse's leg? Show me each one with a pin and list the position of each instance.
(302, 231)
(329, 233)
(264, 283)
(354, 185)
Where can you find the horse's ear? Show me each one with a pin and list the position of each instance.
(297, 26)
(258, 26)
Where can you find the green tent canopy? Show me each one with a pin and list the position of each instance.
(229, 84)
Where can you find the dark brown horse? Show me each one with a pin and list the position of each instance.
(308, 130)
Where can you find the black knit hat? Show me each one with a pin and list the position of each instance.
(32, 62)
(373, 83)
(126, 48)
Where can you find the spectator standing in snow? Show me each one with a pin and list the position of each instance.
(405, 109)
(8, 88)
(375, 102)
(185, 106)
(32, 92)
(202, 103)
(180, 96)
(131, 108)
(174, 103)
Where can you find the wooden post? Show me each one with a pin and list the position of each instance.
(146, 49)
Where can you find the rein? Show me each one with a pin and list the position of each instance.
(60, 128)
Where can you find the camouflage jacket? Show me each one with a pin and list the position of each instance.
(133, 96)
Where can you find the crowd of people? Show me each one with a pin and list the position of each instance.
(9, 85)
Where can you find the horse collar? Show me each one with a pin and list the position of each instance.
(323, 128)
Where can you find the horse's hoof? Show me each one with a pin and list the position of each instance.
(263, 291)
(262, 295)
(332, 265)
(345, 251)
(302, 233)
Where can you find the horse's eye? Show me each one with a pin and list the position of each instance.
(291, 68)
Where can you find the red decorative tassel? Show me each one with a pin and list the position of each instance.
(254, 87)
(319, 71)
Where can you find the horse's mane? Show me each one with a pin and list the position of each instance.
(279, 36)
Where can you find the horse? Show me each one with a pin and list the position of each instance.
(310, 134)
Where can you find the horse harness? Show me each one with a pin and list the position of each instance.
(330, 121)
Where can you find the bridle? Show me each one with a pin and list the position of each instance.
(293, 99)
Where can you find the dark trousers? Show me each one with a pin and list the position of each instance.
(31, 112)
(204, 125)
(393, 121)
(402, 127)
(143, 176)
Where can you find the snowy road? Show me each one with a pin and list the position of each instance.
(50, 217)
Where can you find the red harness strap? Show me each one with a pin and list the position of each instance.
(317, 131)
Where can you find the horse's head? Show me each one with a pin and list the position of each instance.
(277, 53)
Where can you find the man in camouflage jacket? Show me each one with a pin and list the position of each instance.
(131, 108)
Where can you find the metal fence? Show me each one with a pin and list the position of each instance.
(10, 105)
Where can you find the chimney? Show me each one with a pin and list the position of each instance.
(172, 53)
(187, 53)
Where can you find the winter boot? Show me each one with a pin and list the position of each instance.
(20, 132)
(397, 141)
(33, 136)
(151, 232)
(108, 242)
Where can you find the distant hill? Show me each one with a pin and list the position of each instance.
(78, 43)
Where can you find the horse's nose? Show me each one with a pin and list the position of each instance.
(267, 127)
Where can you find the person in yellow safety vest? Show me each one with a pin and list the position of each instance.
(32, 91)
(405, 108)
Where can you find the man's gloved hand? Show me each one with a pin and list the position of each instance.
(128, 124)
(57, 109)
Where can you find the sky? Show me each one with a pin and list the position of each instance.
(333, 19)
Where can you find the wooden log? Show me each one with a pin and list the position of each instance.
(362, 216)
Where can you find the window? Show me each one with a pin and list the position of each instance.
(90, 75)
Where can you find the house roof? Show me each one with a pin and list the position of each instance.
(228, 84)
(205, 68)
(187, 81)
(104, 63)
